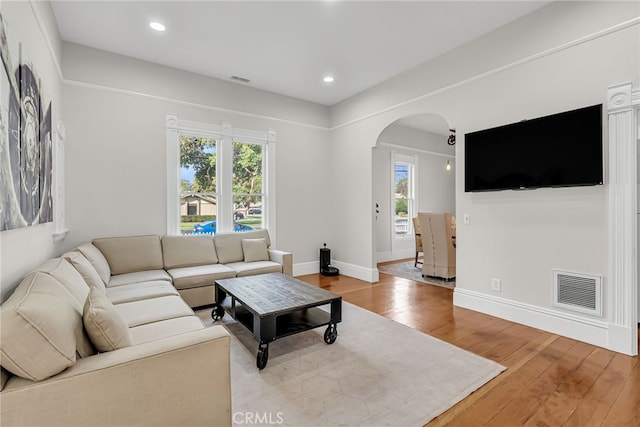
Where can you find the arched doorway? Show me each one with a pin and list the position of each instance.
(413, 169)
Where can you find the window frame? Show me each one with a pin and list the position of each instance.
(412, 202)
(262, 194)
(224, 135)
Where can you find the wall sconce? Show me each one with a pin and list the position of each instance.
(452, 138)
(448, 166)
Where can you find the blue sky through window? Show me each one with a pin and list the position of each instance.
(401, 171)
(187, 174)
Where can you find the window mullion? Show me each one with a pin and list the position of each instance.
(224, 166)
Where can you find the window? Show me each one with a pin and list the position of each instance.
(198, 198)
(403, 194)
(247, 185)
(217, 178)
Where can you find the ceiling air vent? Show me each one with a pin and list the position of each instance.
(577, 292)
(240, 79)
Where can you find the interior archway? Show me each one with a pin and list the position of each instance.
(420, 143)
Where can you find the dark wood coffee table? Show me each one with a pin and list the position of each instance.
(275, 305)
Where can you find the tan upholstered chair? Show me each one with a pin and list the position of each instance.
(438, 242)
(416, 229)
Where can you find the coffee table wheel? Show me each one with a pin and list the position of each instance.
(218, 312)
(331, 334)
(263, 356)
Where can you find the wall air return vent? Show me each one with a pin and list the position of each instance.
(577, 292)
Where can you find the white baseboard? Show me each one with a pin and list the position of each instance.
(592, 331)
(404, 254)
(619, 339)
(383, 256)
(351, 270)
(303, 268)
(388, 256)
(358, 272)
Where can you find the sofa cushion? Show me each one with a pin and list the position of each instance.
(258, 267)
(61, 270)
(97, 259)
(40, 328)
(70, 278)
(164, 328)
(141, 312)
(140, 291)
(139, 277)
(229, 245)
(86, 270)
(202, 275)
(132, 253)
(188, 251)
(106, 328)
(255, 250)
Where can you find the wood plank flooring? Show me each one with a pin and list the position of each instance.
(550, 380)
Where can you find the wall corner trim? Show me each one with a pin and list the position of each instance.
(622, 283)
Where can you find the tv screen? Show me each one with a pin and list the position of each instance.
(560, 150)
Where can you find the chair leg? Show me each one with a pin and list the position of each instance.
(415, 264)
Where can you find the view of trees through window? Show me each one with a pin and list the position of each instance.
(403, 191)
(200, 184)
(247, 185)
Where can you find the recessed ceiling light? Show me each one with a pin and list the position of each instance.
(328, 79)
(157, 26)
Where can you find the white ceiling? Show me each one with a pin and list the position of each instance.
(286, 47)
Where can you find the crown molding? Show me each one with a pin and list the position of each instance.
(189, 103)
(570, 44)
(45, 35)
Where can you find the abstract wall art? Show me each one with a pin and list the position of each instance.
(25, 139)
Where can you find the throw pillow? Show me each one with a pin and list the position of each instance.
(105, 327)
(96, 259)
(255, 250)
(39, 328)
(86, 270)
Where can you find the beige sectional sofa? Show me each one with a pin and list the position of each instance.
(106, 334)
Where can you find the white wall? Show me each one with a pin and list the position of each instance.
(561, 57)
(116, 147)
(25, 248)
(435, 185)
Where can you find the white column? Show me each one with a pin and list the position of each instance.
(622, 186)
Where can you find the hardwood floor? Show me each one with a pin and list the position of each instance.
(550, 380)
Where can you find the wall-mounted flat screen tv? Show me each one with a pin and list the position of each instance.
(560, 150)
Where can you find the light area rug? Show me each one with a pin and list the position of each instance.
(407, 270)
(377, 373)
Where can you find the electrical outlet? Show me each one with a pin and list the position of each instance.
(496, 285)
